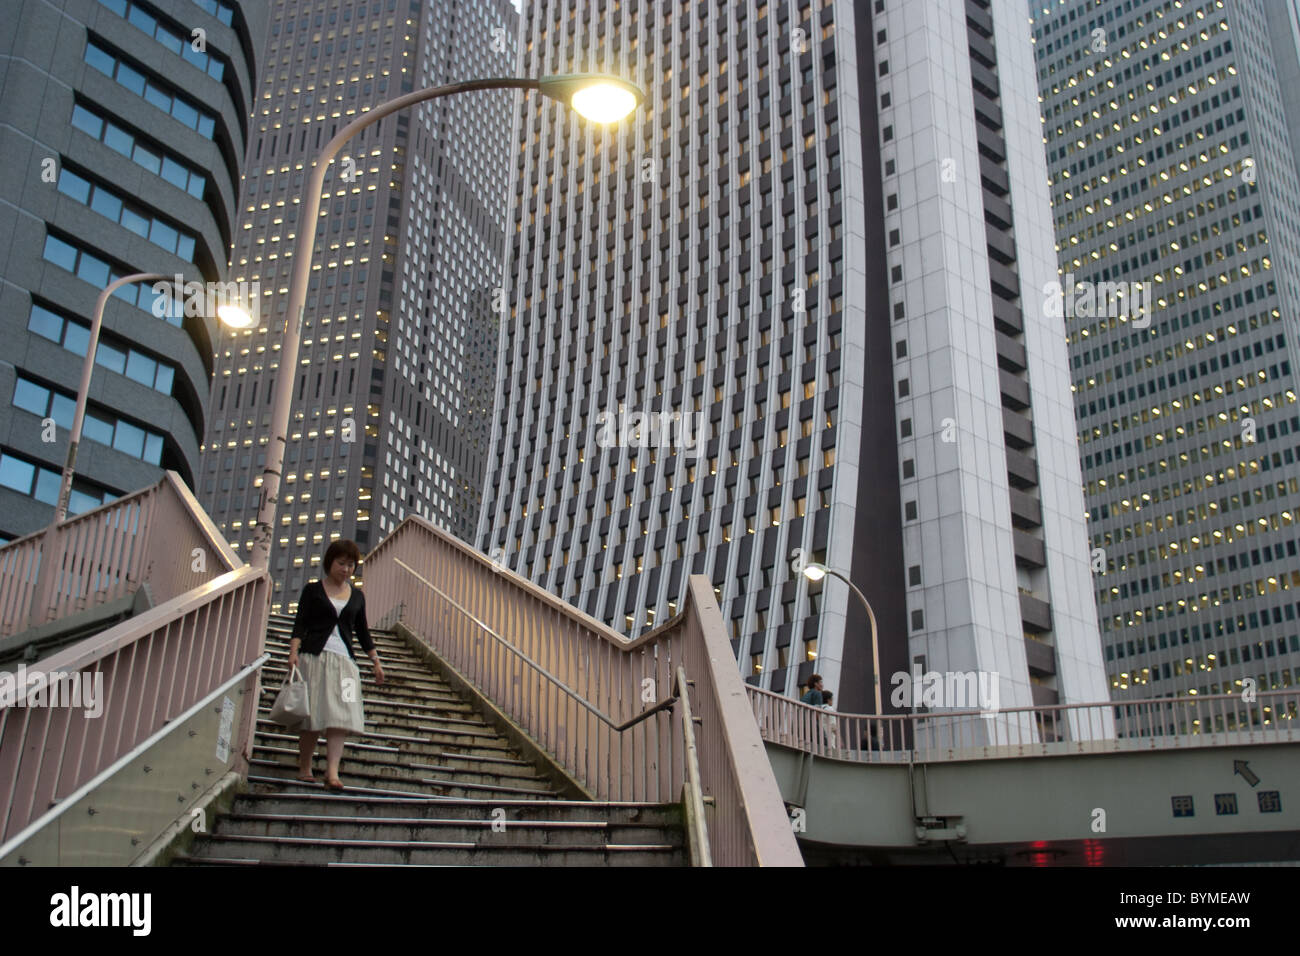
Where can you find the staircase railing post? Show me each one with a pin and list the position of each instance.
(51, 559)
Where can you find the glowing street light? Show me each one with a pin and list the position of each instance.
(816, 572)
(599, 97)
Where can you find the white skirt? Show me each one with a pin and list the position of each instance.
(333, 693)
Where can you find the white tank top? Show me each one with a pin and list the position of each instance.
(335, 643)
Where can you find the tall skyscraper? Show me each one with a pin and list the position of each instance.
(1171, 135)
(123, 139)
(409, 247)
(791, 312)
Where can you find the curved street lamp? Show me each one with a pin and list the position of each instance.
(815, 572)
(229, 313)
(602, 98)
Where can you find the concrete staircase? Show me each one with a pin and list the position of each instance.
(430, 783)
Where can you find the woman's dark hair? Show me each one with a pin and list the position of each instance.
(340, 548)
(828, 696)
(812, 680)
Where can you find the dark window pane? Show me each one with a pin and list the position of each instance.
(186, 114)
(133, 80)
(153, 448)
(111, 358)
(60, 253)
(158, 98)
(76, 338)
(185, 248)
(106, 205)
(16, 474)
(96, 429)
(87, 121)
(46, 323)
(70, 184)
(63, 410)
(118, 139)
(206, 126)
(47, 486)
(171, 41)
(174, 172)
(147, 158)
(99, 59)
(195, 187)
(31, 397)
(141, 368)
(164, 380)
(136, 223)
(142, 20)
(93, 271)
(129, 439)
(79, 501)
(163, 235)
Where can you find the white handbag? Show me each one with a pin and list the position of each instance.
(291, 706)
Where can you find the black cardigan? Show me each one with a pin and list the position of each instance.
(316, 619)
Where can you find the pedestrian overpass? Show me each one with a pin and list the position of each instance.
(1190, 780)
(178, 625)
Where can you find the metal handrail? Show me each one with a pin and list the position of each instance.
(564, 667)
(108, 552)
(153, 664)
(692, 794)
(665, 704)
(71, 799)
(1038, 708)
(1157, 722)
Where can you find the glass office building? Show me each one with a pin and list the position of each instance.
(1170, 130)
(790, 312)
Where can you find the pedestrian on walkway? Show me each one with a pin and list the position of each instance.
(814, 694)
(829, 722)
(330, 613)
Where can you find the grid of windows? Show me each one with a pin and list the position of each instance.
(116, 433)
(1188, 428)
(153, 91)
(382, 351)
(74, 336)
(28, 478)
(222, 11)
(121, 140)
(142, 19)
(88, 266)
(703, 332)
(111, 205)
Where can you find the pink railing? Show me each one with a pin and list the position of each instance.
(151, 669)
(158, 536)
(1155, 723)
(597, 702)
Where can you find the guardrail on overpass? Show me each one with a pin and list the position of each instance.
(1180, 780)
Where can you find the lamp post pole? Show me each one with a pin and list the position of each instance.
(294, 309)
(88, 367)
(871, 616)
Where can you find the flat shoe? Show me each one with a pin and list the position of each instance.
(334, 786)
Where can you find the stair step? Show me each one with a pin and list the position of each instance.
(324, 851)
(398, 744)
(430, 782)
(376, 783)
(362, 759)
(488, 830)
(327, 803)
